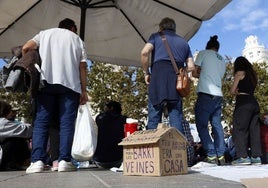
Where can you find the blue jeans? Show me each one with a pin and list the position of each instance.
(54, 98)
(208, 108)
(174, 114)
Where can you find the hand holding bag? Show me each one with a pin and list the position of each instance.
(183, 85)
(85, 135)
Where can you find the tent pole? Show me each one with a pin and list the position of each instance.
(83, 7)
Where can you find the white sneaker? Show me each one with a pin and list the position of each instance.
(35, 167)
(66, 166)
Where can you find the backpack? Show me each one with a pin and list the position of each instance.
(12, 78)
(22, 73)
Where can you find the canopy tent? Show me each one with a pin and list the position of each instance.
(114, 31)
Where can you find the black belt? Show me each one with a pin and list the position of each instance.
(206, 94)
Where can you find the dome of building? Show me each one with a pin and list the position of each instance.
(253, 51)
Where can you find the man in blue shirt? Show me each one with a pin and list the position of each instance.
(161, 77)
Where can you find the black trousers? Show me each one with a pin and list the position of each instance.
(54, 140)
(246, 127)
(15, 152)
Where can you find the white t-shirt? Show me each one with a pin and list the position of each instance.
(61, 52)
(213, 68)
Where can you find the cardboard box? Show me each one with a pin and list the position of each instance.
(255, 182)
(158, 152)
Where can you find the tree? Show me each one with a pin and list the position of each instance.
(21, 101)
(126, 85)
(189, 102)
(228, 99)
(123, 84)
(262, 87)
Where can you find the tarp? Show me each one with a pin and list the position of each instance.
(114, 31)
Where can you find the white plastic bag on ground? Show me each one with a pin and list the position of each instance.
(85, 135)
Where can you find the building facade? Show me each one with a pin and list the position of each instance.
(254, 51)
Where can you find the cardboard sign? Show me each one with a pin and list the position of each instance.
(155, 153)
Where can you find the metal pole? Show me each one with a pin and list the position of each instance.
(83, 8)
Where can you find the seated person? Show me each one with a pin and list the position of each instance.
(110, 124)
(264, 119)
(14, 137)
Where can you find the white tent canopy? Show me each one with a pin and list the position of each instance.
(115, 31)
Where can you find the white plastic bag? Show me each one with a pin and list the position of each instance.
(1, 154)
(85, 135)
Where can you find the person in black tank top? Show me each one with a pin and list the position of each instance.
(246, 126)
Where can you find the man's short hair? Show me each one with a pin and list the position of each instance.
(5, 108)
(114, 106)
(167, 24)
(67, 23)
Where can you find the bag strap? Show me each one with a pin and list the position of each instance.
(164, 39)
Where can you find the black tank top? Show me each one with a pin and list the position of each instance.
(246, 86)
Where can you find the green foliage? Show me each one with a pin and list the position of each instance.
(124, 84)
(262, 87)
(21, 101)
(189, 103)
(228, 99)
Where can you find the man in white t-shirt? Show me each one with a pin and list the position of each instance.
(63, 73)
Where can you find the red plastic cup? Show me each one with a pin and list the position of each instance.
(130, 128)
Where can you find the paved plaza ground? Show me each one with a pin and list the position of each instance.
(99, 178)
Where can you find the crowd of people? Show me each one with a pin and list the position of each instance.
(63, 79)
(209, 67)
